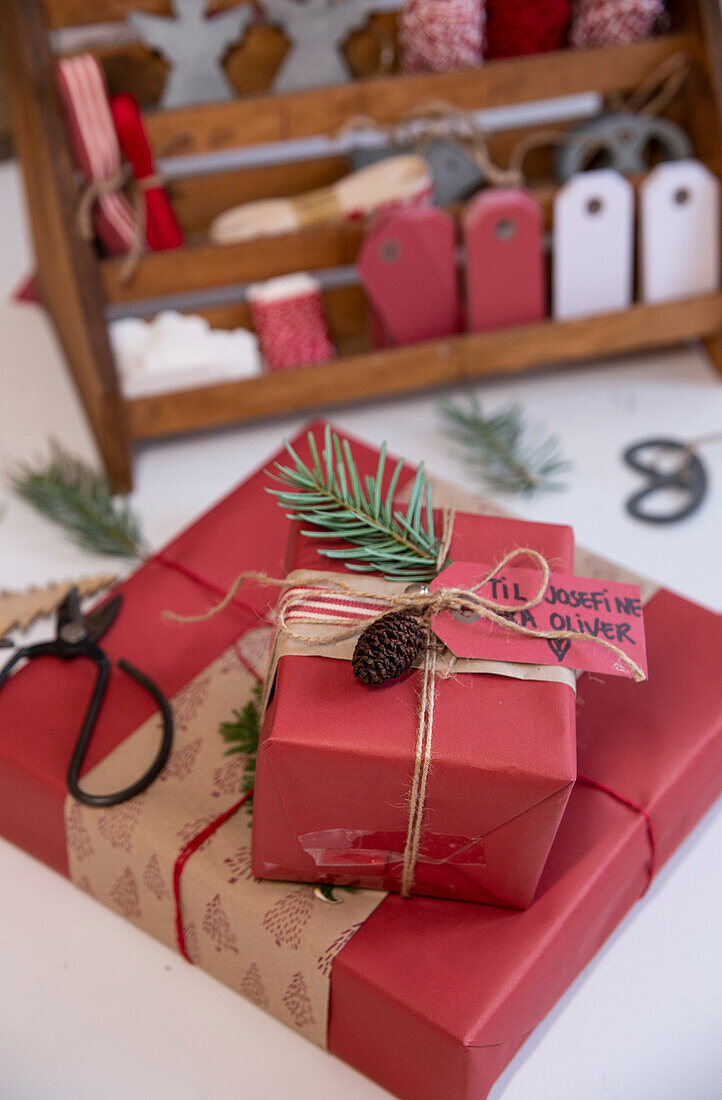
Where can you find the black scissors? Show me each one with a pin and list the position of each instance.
(687, 477)
(77, 635)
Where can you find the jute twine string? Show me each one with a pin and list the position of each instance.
(436, 120)
(424, 729)
(117, 182)
(424, 603)
(651, 97)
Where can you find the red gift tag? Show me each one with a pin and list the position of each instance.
(505, 276)
(599, 610)
(408, 268)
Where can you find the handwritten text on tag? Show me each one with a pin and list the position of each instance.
(597, 609)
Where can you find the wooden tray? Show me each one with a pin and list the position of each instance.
(78, 287)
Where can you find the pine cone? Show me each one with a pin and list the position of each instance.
(387, 647)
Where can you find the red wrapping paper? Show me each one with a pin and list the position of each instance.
(460, 987)
(430, 998)
(336, 762)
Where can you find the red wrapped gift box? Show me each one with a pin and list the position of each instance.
(430, 998)
(337, 756)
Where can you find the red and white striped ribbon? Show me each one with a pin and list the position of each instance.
(322, 605)
(84, 95)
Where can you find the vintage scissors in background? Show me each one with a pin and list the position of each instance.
(78, 635)
(675, 475)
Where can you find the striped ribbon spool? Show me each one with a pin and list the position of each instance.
(84, 95)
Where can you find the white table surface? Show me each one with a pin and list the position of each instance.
(92, 1008)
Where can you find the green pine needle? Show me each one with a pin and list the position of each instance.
(242, 735)
(72, 495)
(503, 450)
(329, 494)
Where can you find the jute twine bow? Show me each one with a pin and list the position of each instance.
(425, 604)
(96, 189)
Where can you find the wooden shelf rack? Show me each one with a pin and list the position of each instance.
(78, 287)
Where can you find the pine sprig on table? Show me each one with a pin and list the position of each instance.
(242, 734)
(72, 495)
(503, 450)
(330, 494)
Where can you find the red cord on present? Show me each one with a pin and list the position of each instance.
(183, 857)
(161, 228)
(652, 866)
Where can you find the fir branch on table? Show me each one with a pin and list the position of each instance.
(242, 734)
(503, 450)
(69, 493)
(330, 494)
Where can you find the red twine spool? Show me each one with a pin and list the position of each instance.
(517, 27)
(614, 22)
(438, 35)
(290, 322)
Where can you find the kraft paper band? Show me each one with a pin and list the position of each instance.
(286, 645)
(272, 942)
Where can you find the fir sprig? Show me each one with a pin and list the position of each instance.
(69, 493)
(242, 734)
(330, 494)
(503, 450)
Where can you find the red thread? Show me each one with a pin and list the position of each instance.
(183, 857)
(638, 809)
(208, 585)
(194, 844)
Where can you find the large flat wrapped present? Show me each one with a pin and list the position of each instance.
(429, 997)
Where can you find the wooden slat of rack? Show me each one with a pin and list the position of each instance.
(68, 278)
(70, 13)
(259, 119)
(208, 265)
(205, 266)
(198, 199)
(422, 366)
